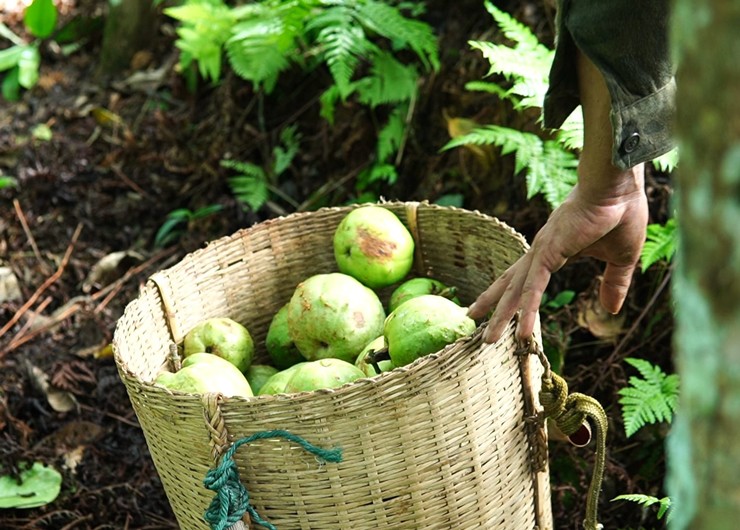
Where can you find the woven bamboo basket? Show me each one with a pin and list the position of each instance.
(439, 444)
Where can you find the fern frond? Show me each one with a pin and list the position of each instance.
(389, 82)
(377, 172)
(260, 47)
(388, 21)
(650, 399)
(205, 26)
(491, 88)
(513, 29)
(391, 135)
(668, 161)
(284, 153)
(550, 169)
(526, 64)
(250, 186)
(341, 41)
(570, 134)
(664, 504)
(660, 243)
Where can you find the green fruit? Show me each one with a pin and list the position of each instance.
(281, 348)
(424, 325)
(367, 368)
(373, 245)
(202, 373)
(417, 287)
(258, 374)
(333, 315)
(276, 383)
(223, 337)
(324, 373)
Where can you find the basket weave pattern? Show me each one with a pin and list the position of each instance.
(442, 443)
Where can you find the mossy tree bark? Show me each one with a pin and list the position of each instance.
(704, 446)
(129, 27)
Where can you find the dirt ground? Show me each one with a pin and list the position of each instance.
(125, 152)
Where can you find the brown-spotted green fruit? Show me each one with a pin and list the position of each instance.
(373, 245)
(223, 337)
(423, 325)
(333, 316)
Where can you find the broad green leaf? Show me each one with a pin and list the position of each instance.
(37, 486)
(11, 89)
(41, 18)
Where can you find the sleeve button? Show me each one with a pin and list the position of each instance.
(631, 142)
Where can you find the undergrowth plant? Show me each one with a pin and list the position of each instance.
(21, 59)
(253, 185)
(648, 399)
(660, 243)
(373, 50)
(523, 68)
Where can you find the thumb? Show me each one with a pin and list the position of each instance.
(615, 285)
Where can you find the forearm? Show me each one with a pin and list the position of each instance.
(598, 177)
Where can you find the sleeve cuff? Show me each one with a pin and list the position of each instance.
(642, 130)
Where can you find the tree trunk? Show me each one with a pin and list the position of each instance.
(129, 27)
(704, 446)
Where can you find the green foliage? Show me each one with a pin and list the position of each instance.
(41, 18)
(22, 60)
(550, 169)
(660, 243)
(172, 228)
(254, 184)
(650, 399)
(550, 164)
(8, 182)
(668, 161)
(526, 64)
(359, 43)
(36, 486)
(664, 504)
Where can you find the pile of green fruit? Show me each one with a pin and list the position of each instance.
(334, 329)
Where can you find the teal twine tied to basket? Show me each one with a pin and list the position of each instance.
(231, 501)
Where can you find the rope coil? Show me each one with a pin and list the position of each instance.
(231, 501)
(570, 412)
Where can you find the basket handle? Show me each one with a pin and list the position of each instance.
(570, 412)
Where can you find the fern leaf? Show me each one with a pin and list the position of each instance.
(660, 243)
(389, 82)
(650, 399)
(388, 21)
(391, 135)
(250, 190)
(260, 47)
(342, 43)
(377, 172)
(284, 154)
(550, 170)
(512, 28)
(328, 101)
(668, 161)
(664, 504)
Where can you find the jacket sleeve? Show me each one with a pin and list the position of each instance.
(627, 40)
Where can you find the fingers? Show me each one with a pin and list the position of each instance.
(534, 287)
(614, 286)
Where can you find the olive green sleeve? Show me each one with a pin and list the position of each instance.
(627, 40)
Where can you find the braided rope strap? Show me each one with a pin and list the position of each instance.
(569, 412)
(231, 501)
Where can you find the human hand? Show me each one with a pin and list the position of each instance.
(607, 226)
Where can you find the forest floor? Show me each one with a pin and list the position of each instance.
(100, 163)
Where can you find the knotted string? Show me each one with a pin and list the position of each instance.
(231, 501)
(570, 411)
